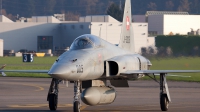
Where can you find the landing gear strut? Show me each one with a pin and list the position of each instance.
(77, 90)
(52, 96)
(164, 93)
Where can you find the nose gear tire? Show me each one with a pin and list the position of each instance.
(53, 101)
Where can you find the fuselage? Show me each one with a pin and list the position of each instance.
(87, 63)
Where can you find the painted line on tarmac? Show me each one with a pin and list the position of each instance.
(37, 105)
(40, 88)
(42, 105)
(83, 107)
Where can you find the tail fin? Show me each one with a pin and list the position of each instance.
(127, 39)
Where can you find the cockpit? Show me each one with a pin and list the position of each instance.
(85, 42)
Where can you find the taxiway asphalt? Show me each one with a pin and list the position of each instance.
(30, 95)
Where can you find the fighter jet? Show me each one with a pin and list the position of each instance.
(92, 61)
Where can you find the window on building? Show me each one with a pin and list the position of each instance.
(153, 33)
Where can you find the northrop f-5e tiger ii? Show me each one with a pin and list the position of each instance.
(92, 61)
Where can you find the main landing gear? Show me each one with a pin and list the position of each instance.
(53, 94)
(164, 93)
(77, 91)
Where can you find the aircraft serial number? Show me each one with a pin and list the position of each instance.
(127, 39)
(79, 68)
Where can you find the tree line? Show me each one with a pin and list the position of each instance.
(175, 45)
(75, 8)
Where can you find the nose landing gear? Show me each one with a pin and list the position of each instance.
(52, 96)
(77, 90)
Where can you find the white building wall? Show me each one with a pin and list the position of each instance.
(113, 32)
(107, 31)
(18, 36)
(151, 42)
(140, 36)
(155, 23)
(180, 24)
(1, 47)
(5, 19)
(99, 29)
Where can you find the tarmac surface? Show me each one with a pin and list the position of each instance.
(30, 94)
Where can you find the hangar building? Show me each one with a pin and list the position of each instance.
(47, 32)
(170, 23)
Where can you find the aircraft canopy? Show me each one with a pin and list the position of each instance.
(85, 42)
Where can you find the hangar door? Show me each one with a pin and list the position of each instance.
(44, 42)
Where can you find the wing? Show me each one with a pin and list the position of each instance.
(23, 71)
(158, 71)
(26, 71)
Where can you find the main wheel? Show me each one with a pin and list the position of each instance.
(164, 103)
(53, 101)
(76, 106)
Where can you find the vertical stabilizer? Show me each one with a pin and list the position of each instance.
(127, 39)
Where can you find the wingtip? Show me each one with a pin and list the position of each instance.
(3, 67)
(3, 74)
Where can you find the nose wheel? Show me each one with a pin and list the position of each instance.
(52, 96)
(77, 104)
(53, 101)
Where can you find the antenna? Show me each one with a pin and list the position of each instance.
(100, 32)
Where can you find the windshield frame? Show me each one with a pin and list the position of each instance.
(88, 44)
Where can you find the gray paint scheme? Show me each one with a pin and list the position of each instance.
(92, 58)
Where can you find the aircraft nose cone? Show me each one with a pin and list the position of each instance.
(60, 71)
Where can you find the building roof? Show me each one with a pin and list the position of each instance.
(97, 18)
(165, 13)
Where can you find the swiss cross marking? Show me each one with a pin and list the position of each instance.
(127, 23)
